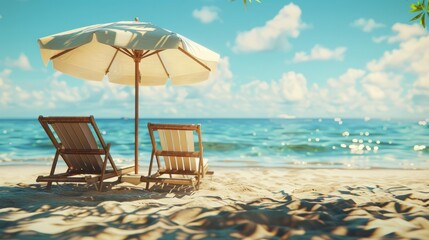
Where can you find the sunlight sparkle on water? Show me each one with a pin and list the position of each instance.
(419, 147)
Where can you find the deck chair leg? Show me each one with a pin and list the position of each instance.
(199, 172)
(193, 184)
(203, 173)
(112, 162)
(150, 168)
(54, 165)
(158, 163)
(198, 181)
(104, 167)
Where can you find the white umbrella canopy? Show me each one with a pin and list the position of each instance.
(130, 53)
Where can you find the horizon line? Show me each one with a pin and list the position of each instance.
(238, 118)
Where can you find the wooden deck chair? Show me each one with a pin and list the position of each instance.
(178, 151)
(77, 146)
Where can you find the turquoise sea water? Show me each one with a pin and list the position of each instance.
(306, 143)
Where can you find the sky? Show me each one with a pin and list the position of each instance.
(279, 59)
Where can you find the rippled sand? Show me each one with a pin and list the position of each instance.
(238, 203)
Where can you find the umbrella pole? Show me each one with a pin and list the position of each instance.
(136, 112)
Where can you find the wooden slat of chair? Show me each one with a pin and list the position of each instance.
(164, 145)
(191, 148)
(157, 126)
(175, 138)
(80, 143)
(88, 142)
(173, 181)
(74, 143)
(66, 177)
(183, 148)
(180, 172)
(187, 147)
(103, 144)
(72, 162)
(170, 147)
(50, 120)
(177, 154)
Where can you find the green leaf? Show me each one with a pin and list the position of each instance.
(422, 21)
(416, 17)
(414, 8)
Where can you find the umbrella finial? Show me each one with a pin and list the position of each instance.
(136, 19)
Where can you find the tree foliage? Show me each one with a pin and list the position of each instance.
(250, 1)
(422, 11)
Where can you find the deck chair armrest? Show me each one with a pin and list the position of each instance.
(126, 169)
(83, 151)
(177, 154)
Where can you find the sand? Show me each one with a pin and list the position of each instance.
(234, 203)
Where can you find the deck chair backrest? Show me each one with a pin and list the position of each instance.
(74, 134)
(177, 138)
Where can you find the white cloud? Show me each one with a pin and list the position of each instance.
(293, 86)
(206, 14)
(411, 56)
(374, 92)
(358, 93)
(16, 97)
(274, 34)
(5, 73)
(367, 25)
(59, 96)
(281, 97)
(320, 53)
(404, 66)
(381, 85)
(403, 32)
(22, 62)
(4, 87)
(342, 90)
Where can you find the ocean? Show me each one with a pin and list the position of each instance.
(298, 143)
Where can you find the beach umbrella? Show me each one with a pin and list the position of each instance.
(131, 53)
